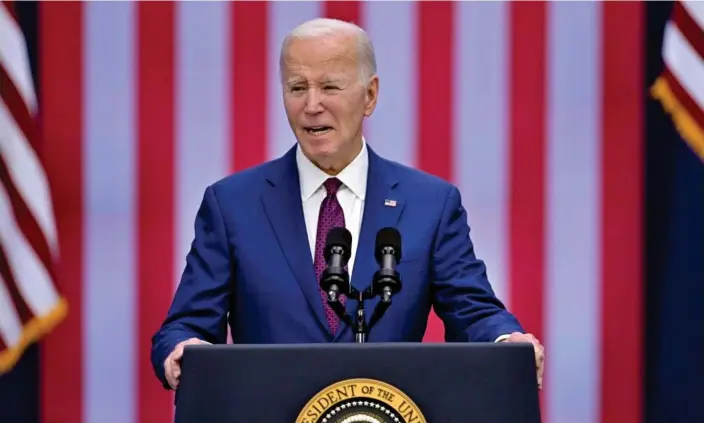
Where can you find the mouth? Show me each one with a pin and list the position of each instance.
(318, 130)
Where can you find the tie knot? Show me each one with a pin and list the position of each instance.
(332, 185)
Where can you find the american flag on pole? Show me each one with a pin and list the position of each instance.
(30, 305)
(680, 88)
(533, 109)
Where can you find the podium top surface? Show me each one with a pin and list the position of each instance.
(410, 382)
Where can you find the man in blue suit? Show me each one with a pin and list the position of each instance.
(257, 255)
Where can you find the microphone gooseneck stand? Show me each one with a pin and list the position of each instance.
(359, 325)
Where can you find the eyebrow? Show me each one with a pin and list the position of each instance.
(327, 80)
(294, 80)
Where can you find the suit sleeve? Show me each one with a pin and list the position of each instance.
(200, 305)
(462, 295)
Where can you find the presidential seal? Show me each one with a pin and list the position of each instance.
(360, 401)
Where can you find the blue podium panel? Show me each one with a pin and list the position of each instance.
(354, 383)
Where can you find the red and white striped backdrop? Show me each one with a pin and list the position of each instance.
(532, 109)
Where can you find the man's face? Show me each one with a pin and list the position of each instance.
(325, 100)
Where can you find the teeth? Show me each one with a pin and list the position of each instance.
(318, 129)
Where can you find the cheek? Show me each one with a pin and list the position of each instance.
(293, 107)
(346, 115)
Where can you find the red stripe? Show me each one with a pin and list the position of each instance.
(20, 113)
(10, 8)
(683, 97)
(8, 276)
(435, 64)
(622, 145)
(689, 28)
(527, 152)
(436, 45)
(250, 66)
(26, 220)
(155, 194)
(349, 11)
(527, 164)
(61, 73)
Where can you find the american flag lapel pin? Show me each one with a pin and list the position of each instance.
(390, 203)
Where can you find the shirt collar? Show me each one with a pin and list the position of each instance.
(354, 176)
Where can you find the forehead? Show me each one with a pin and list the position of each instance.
(320, 57)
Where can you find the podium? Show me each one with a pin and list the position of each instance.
(354, 383)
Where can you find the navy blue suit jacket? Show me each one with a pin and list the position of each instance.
(250, 258)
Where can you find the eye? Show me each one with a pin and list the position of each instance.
(297, 89)
(330, 87)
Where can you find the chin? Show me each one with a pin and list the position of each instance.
(318, 146)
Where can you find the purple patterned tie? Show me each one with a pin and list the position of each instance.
(331, 215)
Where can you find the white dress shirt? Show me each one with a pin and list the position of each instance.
(350, 196)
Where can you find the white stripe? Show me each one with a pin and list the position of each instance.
(202, 109)
(283, 17)
(480, 137)
(10, 323)
(695, 8)
(14, 58)
(31, 277)
(27, 175)
(684, 63)
(390, 131)
(573, 268)
(109, 314)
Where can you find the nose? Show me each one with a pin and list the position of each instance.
(313, 101)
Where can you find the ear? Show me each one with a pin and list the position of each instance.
(371, 95)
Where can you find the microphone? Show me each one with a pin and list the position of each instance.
(335, 279)
(387, 280)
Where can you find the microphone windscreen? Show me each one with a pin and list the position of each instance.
(339, 237)
(388, 237)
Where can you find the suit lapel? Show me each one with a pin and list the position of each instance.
(282, 203)
(378, 213)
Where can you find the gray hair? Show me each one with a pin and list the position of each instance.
(321, 27)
